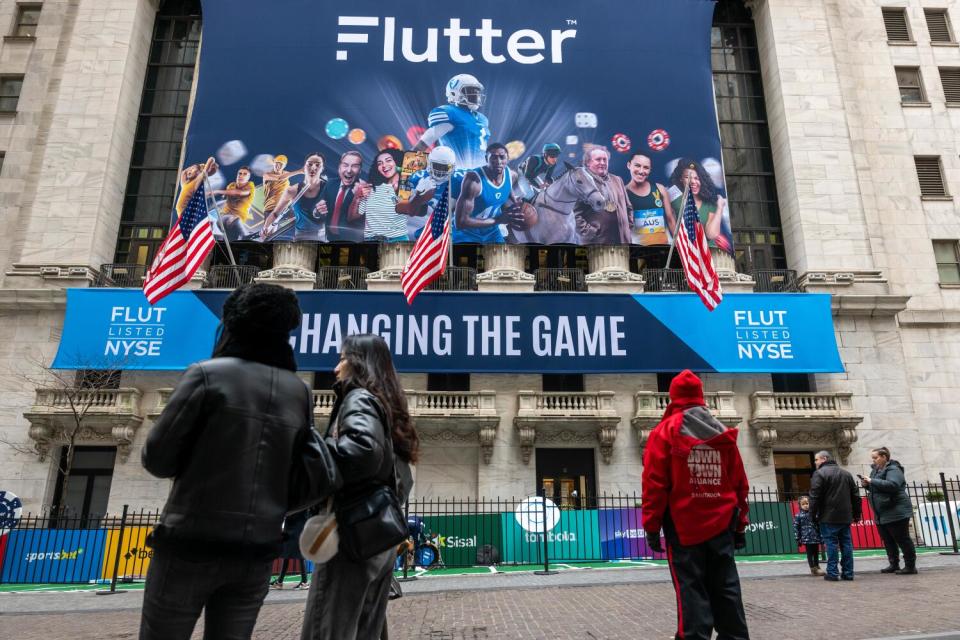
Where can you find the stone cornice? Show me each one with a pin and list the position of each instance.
(877, 306)
(931, 318)
(33, 299)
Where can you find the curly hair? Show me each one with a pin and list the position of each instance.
(370, 366)
(374, 177)
(708, 190)
(261, 309)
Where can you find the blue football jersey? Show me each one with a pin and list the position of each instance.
(470, 134)
(486, 205)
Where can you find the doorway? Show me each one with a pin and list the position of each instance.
(793, 469)
(567, 476)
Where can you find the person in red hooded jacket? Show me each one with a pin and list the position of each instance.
(695, 488)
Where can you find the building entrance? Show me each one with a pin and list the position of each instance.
(567, 476)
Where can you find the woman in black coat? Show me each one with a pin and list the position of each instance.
(892, 509)
(370, 431)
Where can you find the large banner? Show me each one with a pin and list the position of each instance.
(567, 122)
(475, 332)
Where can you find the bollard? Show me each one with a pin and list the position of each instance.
(116, 557)
(950, 514)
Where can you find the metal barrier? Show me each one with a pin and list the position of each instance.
(455, 279)
(665, 280)
(121, 275)
(353, 278)
(559, 280)
(61, 548)
(228, 276)
(775, 281)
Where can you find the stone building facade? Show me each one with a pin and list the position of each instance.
(849, 139)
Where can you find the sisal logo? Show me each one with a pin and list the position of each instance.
(524, 46)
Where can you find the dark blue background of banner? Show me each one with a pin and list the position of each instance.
(269, 77)
(661, 332)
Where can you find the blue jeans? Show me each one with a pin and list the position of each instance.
(837, 538)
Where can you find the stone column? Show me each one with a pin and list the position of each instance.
(293, 264)
(610, 270)
(504, 269)
(726, 268)
(393, 257)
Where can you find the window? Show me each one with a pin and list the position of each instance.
(911, 85)
(745, 140)
(563, 382)
(938, 24)
(950, 79)
(98, 379)
(448, 382)
(948, 261)
(664, 380)
(28, 16)
(82, 496)
(793, 470)
(930, 175)
(10, 87)
(895, 22)
(791, 382)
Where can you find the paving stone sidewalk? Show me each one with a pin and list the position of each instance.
(781, 602)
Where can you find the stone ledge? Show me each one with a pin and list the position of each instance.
(879, 306)
(55, 275)
(829, 280)
(929, 318)
(33, 299)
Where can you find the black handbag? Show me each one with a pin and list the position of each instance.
(373, 523)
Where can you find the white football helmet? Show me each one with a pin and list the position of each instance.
(465, 90)
(440, 163)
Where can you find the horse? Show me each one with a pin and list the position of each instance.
(556, 223)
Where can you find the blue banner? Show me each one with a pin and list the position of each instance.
(286, 88)
(53, 555)
(475, 332)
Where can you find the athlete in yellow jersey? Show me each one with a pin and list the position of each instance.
(239, 199)
(190, 179)
(275, 184)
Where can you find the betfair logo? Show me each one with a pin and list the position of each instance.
(524, 46)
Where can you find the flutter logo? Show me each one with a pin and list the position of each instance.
(524, 46)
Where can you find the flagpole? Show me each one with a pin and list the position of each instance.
(676, 226)
(206, 184)
(450, 212)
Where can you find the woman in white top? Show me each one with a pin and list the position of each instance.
(378, 206)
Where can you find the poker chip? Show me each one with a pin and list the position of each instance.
(337, 128)
(10, 510)
(389, 142)
(515, 149)
(620, 142)
(414, 134)
(658, 140)
(357, 136)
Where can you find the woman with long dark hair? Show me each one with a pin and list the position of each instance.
(710, 204)
(378, 207)
(371, 437)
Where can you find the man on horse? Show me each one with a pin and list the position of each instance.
(540, 171)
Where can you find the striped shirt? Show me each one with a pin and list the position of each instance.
(380, 212)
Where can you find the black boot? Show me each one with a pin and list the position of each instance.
(909, 569)
(892, 567)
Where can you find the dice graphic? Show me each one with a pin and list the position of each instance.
(572, 140)
(585, 120)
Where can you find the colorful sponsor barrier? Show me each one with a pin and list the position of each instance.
(54, 555)
(770, 530)
(934, 523)
(569, 535)
(459, 538)
(622, 536)
(135, 553)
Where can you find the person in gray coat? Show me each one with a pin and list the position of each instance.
(887, 489)
(370, 430)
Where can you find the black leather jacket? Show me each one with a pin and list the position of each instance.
(357, 439)
(834, 495)
(228, 437)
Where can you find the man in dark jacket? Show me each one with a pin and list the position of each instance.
(228, 436)
(694, 485)
(835, 505)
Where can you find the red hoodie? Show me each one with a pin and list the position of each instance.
(692, 467)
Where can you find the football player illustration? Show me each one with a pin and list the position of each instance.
(459, 124)
(484, 202)
(441, 168)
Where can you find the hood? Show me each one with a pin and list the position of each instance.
(686, 388)
(894, 463)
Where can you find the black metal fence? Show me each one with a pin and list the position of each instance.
(121, 275)
(63, 548)
(455, 279)
(230, 276)
(665, 280)
(566, 279)
(351, 278)
(776, 281)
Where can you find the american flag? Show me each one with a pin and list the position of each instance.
(691, 244)
(181, 254)
(429, 256)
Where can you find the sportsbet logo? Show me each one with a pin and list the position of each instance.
(54, 555)
(525, 46)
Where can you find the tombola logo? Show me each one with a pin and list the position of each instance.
(54, 555)
(537, 514)
(524, 46)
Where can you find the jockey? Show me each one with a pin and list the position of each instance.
(541, 170)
